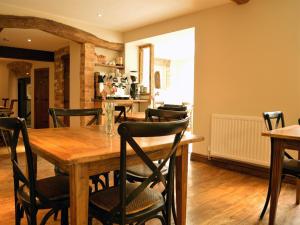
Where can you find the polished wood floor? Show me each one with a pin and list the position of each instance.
(215, 196)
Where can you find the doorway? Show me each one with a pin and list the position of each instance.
(24, 99)
(41, 98)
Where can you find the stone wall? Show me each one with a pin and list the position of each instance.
(59, 76)
(87, 68)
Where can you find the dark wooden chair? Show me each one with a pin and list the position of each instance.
(122, 112)
(6, 112)
(31, 194)
(5, 100)
(139, 172)
(164, 115)
(55, 113)
(173, 107)
(136, 203)
(57, 122)
(291, 166)
(12, 103)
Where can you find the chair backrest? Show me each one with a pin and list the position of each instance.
(164, 115)
(273, 118)
(5, 100)
(128, 132)
(55, 113)
(173, 107)
(122, 110)
(12, 103)
(13, 128)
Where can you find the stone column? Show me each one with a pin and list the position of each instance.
(87, 68)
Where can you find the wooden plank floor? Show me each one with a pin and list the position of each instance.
(215, 197)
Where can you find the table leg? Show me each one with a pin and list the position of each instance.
(79, 194)
(278, 151)
(181, 184)
(298, 185)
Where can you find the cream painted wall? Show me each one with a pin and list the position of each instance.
(99, 32)
(246, 60)
(3, 81)
(75, 50)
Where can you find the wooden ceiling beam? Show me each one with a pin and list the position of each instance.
(240, 2)
(58, 29)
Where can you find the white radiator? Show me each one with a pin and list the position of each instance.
(239, 138)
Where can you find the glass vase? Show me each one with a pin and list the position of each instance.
(109, 118)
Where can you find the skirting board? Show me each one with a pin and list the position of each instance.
(241, 167)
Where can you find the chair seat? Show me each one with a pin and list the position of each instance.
(291, 166)
(142, 170)
(50, 189)
(108, 199)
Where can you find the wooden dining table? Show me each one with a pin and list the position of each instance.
(282, 138)
(87, 151)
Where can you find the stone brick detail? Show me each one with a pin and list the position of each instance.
(59, 76)
(87, 68)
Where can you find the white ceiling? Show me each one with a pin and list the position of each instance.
(40, 40)
(117, 15)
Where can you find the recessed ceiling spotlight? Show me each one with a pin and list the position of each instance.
(99, 15)
(29, 39)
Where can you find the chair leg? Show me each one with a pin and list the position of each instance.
(266, 203)
(297, 191)
(56, 214)
(174, 210)
(18, 213)
(106, 177)
(90, 221)
(47, 216)
(116, 178)
(31, 216)
(64, 216)
(269, 187)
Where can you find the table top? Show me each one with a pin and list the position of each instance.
(289, 132)
(135, 116)
(89, 144)
(123, 101)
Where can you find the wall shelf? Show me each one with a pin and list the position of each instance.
(110, 66)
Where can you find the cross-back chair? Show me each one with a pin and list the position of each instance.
(173, 107)
(55, 113)
(290, 166)
(137, 203)
(5, 100)
(95, 113)
(31, 194)
(138, 173)
(164, 115)
(122, 112)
